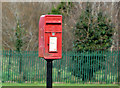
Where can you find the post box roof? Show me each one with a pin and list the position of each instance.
(50, 15)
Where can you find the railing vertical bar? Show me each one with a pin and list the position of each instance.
(31, 53)
(39, 76)
(80, 63)
(37, 70)
(7, 69)
(85, 62)
(33, 57)
(102, 64)
(67, 67)
(11, 69)
(117, 65)
(36, 67)
(13, 66)
(95, 64)
(31, 66)
(78, 66)
(36, 58)
(57, 70)
(89, 66)
(72, 67)
(40, 71)
(22, 64)
(45, 70)
(3, 65)
(86, 66)
(22, 55)
(54, 72)
(25, 65)
(75, 66)
(111, 66)
(6, 64)
(93, 67)
(82, 66)
(18, 66)
(2, 52)
(107, 68)
(28, 65)
(98, 65)
(71, 64)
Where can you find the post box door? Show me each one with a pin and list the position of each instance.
(53, 44)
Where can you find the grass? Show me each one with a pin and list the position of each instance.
(38, 84)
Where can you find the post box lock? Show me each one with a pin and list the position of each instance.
(53, 33)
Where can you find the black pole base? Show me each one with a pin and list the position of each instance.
(49, 74)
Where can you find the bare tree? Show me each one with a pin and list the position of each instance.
(29, 13)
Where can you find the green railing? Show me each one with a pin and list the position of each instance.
(74, 67)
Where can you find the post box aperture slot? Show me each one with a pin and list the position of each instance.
(52, 44)
(53, 27)
(53, 23)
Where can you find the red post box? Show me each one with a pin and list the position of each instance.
(50, 36)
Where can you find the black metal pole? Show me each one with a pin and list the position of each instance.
(49, 74)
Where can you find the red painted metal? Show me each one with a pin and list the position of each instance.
(50, 26)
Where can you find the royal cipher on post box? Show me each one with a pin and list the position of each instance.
(50, 36)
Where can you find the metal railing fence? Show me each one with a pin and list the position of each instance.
(74, 67)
